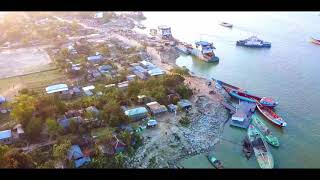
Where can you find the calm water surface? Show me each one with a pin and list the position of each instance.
(288, 72)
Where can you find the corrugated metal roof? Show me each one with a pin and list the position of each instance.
(138, 110)
(5, 134)
(88, 88)
(82, 161)
(155, 72)
(94, 58)
(75, 152)
(57, 88)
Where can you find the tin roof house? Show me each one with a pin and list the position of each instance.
(75, 154)
(95, 59)
(184, 104)
(57, 88)
(165, 31)
(137, 113)
(113, 147)
(6, 137)
(156, 72)
(155, 108)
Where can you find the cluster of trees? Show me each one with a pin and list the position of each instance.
(13, 158)
(159, 88)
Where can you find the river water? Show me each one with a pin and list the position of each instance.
(289, 72)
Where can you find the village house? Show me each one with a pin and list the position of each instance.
(105, 69)
(172, 108)
(137, 113)
(18, 132)
(156, 72)
(155, 108)
(165, 32)
(184, 104)
(6, 137)
(65, 122)
(131, 77)
(123, 85)
(73, 113)
(75, 154)
(61, 89)
(88, 90)
(147, 65)
(110, 85)
(95, 59)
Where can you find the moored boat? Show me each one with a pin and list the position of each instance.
(227, 86)
(260, 148)
(254, 42)
(266, 133)
(204, 51)
(215, 162)
(251, 98)
(315, 41)
(225, 24)
(271, 116)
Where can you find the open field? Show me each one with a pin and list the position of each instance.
(21, 61)
(36, 81)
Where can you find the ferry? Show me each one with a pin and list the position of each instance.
(204, 51)
(253, 42)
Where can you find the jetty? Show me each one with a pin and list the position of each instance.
(242, 117)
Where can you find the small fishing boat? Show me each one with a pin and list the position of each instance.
(215, 162)
(228, 86)
(225, 24)
(251, 98)
(315, 41)
(266, 133)
(253, 42)
(260, 148)
(271, 116)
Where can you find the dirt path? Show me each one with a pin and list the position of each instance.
(9, 93)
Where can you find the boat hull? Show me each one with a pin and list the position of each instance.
(250, 98)
(315, 41)
(272, 140)
(197, 53)
(264, 45)
(271, 119)
(263, 154)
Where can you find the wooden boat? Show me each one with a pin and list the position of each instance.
(240, 93)
(260, 148)
(227, 86)
(266, 133)
(225, 24)
(315, 41)
(265, 101)
(271, 116)
(215, 162)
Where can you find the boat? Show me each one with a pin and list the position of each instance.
(253, 42)
(228, 86)
(266, 133)
(315, 41)
(225, 24)
(251, 98)
(271, 116)
(215, 162)
(141, 26)
(204, 51)
(260, 148)
(243, 95)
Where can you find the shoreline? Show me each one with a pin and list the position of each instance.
(173, 143)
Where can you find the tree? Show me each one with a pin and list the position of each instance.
(125, 136)
(3, 150)
(53, 127)
(16, 159)
(184, 91)
(23, 108)
(119, 160)
(33, 129)
(49, 107)
(73, 126)
(60, 151)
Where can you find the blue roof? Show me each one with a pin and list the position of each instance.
(75, 152)
(149, 65)
(184, 103)
(82, 161)
(140, 69)
(94, 58)
(203, 43)
(2, 99)
(5, 134)
(104, 68)
(155, 71)
(64, 122)
(56, 88)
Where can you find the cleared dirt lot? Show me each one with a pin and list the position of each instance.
(21, 61)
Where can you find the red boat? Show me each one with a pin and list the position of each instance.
(271, 116)
(315, 41)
